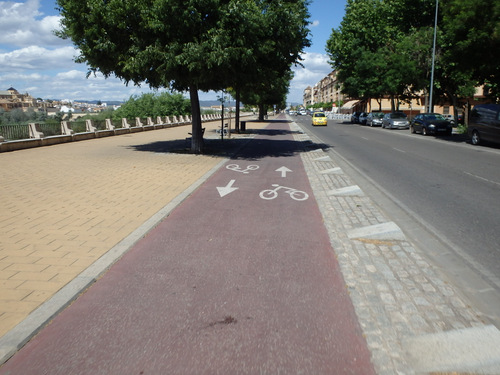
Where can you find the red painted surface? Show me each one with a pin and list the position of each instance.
(224, 285)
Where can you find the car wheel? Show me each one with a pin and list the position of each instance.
(475, 139)
(424, 131)
(412, 129)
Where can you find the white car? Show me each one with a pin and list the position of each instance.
(303, 112)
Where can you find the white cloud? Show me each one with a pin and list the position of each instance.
(36, 58)
(21, 25)
(315, 23)
(316, 67)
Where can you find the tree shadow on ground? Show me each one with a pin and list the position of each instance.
(238, 146)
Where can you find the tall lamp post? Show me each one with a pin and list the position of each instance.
(431, 107)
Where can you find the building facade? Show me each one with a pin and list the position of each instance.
(11, 99)
(327, 90)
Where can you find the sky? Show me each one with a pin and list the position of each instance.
(33, 60)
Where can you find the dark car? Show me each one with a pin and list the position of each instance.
(355, 117)
(484, 124)
(431, 123)
(395, 120)
(375, 119)
(362, 118)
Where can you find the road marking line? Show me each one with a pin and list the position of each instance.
(482, 178)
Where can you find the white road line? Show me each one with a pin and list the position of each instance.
(482, 178)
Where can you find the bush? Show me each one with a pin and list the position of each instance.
(151, 105)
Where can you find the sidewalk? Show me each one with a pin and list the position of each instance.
(80, 208)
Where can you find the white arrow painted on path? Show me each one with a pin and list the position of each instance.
(283, 170)
(227, 189)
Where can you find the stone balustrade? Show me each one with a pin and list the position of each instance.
(68, 134)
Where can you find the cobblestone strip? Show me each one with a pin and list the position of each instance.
(395, 291)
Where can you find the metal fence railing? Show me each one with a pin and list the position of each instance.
(12, 132)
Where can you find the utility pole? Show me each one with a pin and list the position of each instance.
(431, 106)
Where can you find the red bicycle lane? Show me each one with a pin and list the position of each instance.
(239, 279)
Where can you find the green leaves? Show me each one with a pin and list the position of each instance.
(467, 55)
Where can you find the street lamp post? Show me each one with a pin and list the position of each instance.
(431, 107)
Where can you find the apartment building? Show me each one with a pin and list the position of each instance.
(327, 90)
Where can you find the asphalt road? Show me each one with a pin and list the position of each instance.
(443, 192)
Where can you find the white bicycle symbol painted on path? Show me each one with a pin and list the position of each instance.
(295, 194)
(236, 168)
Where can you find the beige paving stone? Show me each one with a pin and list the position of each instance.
(46, 286)
(9, 320)
(33, 276)
(20, 307)
(8, 284)
(14, 295)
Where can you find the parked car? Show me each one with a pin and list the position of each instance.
(395, 120)
(431, 123)
(374, 119)
(319, 118)
(362, 118)
(484, 124)
(449, 118)
(303, 112)
(355, 117)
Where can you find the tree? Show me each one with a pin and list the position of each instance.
(282, 30)
(186, 45)
(471, 43)
(153, 104)
(370, 48)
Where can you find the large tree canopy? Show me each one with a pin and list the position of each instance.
(186, 45)
(371, 50)
(384, 48)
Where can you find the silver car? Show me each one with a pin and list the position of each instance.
(375, 119)
(395, 120)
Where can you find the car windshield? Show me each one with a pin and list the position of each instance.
(319, 114)
(378, 114)
(398, 115)
(434, 116)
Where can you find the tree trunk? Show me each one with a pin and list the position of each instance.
(393, 104)
(197, 133)
(261, 112)
(237, 115)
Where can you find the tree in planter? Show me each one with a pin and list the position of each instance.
(185, 45)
